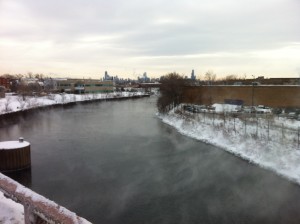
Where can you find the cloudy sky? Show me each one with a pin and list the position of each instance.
(85, 38)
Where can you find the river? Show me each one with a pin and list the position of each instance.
(116, 162)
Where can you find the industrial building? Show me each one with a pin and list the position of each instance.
(79, 86)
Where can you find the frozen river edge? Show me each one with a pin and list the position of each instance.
(281, 157)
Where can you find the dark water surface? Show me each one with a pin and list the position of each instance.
(115, 162)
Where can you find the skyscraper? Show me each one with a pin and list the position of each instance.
(193, 77)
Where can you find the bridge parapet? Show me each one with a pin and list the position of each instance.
(37, 209)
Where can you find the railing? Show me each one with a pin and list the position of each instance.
(37, 209)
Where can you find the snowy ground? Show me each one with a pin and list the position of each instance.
(254, 139)
(13, 213)
(16, 103)
(10, 211)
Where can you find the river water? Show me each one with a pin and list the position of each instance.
(116, 162)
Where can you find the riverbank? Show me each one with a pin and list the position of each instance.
(12, 105)
(264, 149)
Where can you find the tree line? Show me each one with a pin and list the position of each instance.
(173, 84)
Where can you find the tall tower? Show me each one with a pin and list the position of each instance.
(193, 77)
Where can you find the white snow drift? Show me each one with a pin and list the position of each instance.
(271, 148)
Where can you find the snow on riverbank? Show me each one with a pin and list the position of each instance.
(280, 156)
(17, 103)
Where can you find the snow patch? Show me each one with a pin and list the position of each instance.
(279, 156)
(13, 145)
(10, 211)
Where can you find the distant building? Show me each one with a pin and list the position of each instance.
(2, 91)
(260, 81)
(107, 76)
(27, 81)
(51, 84)
(191, 81)
(193, 77)
(144, 78)
(238, 83)
(79, 86)
(5, 82)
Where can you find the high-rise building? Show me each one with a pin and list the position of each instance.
(193, 77)
(107, 76)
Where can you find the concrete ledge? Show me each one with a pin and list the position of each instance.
(37, 209)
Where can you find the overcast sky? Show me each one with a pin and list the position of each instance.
(85, 38)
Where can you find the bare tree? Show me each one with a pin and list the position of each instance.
(171, 90)
(63, 98)
(86, 96)
(231, 77)
(28, 101)
(7, 104)
(34, 88)
(35, 102)
(51, 96)
(29, 75)
(19, 76)
(23, 90)
(22, 102)
(94, 94)
(210, 77)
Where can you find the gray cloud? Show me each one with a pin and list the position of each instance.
(97, 29)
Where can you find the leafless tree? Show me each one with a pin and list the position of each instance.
(29, 75)
(51, 96)
(210, 77)
(22, 102)
(171, 90)
(63, 98)
(39, 76)
(23, 90)
(35, 102)
(74, 98)
(231, 77)
(29, 102)
(7, 104)
(34, 88)
(86, 97)
(94, 94)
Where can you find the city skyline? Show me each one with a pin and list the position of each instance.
(79, 38)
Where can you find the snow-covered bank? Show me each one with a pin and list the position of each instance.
(267, 150)
(11, 104)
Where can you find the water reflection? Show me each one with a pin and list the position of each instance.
(22, 176)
